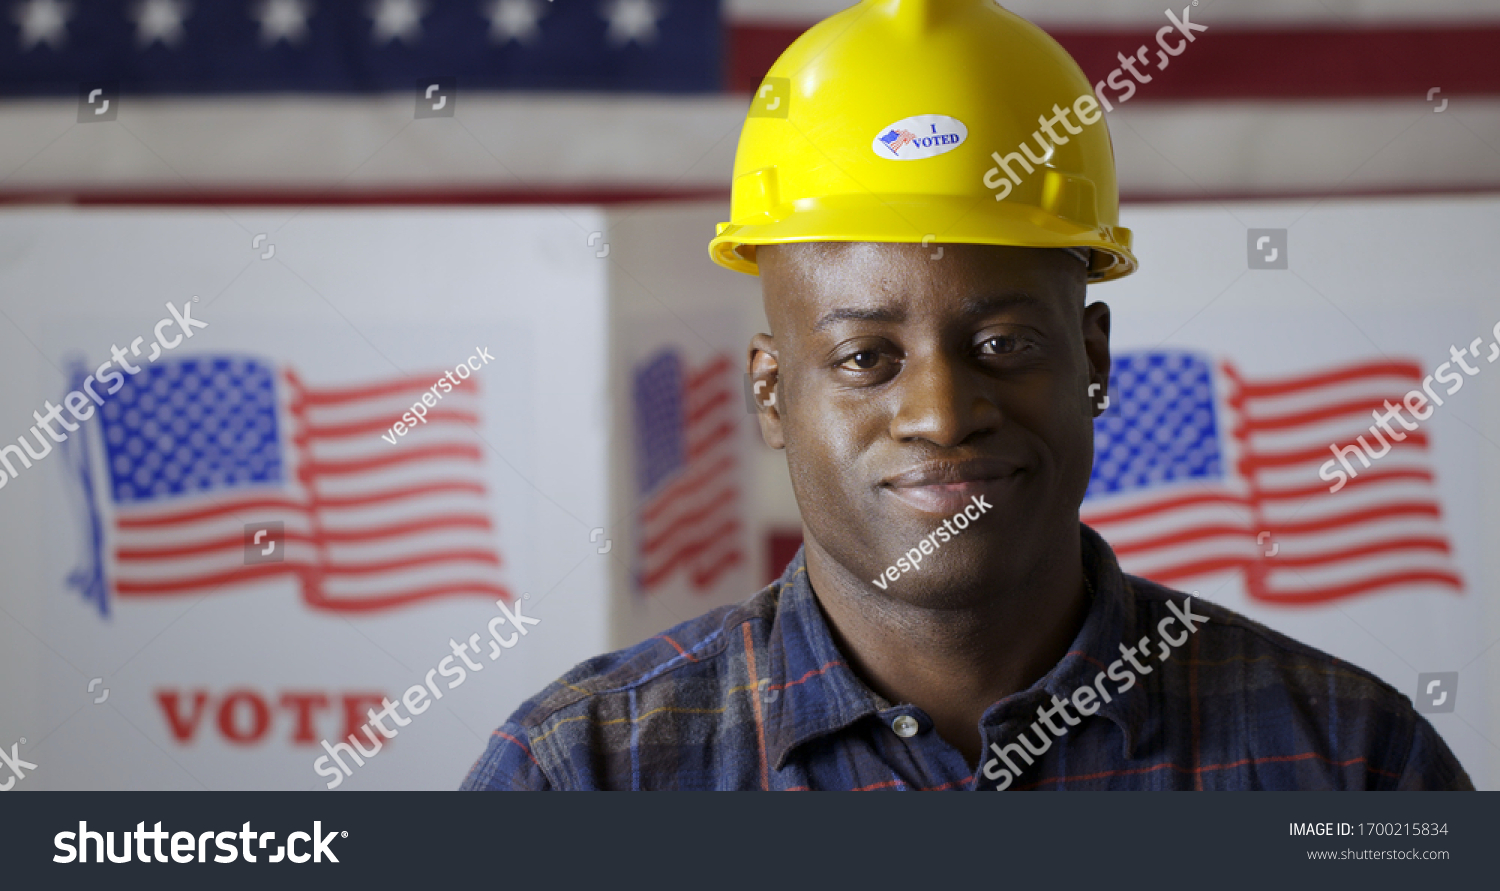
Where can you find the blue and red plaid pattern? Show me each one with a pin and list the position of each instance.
(757, 696)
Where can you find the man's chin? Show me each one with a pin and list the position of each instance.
(947, 574)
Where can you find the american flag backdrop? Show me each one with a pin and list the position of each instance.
(1200, 470)
(690, 517)
(199, 450)
(598, 100)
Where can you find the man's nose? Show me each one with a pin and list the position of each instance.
(941, 401)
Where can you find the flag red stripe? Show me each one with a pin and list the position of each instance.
(1316, 456)
(1364, 407)
(1327, 593)
(237, 576)
(686, 521)
(1172, 539)
(242, 575)
(1356, 517)
(326, 501)
(702, 445)
(206, 513)
(379, 425)
(689, 550)
(685, 487)
(343, 536)
(389, 495)
(1408, 371)
(705, 578)
(1374, 476)
(1168, 504)
(704, 376)
(1374, 548)
(1292, 63)
(405, 456)
(702, 408)
(372, 604)
(457, 555)
(1221, 530)
(325, 396)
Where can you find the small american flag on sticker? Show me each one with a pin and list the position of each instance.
(197, 450)
(1199, 470)
(895, 140)
(688, 472)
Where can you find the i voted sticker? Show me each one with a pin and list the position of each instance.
(920, 136)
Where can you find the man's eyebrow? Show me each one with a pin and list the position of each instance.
(854, 314)
(984, 304)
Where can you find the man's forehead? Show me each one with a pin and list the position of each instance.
(855, 252)
(848, 280)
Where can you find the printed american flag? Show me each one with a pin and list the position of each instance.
(897, 139)
(198, 449)
(688, 470)
(1199, 470)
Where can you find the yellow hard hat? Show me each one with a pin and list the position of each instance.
(917, 121)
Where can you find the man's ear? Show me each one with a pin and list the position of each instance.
(1096, 347)
(765, 385)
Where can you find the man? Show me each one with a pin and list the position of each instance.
(933, 372)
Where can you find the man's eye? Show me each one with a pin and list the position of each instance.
(864, 360)
(1001, 344)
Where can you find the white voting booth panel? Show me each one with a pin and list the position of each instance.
(127, 665)
(610, 454)
(1396, 571)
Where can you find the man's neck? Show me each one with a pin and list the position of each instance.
(955, 663)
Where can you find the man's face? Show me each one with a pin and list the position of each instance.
(909, 386)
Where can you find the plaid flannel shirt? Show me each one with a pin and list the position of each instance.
(757, 696)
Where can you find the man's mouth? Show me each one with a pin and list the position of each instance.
(945, 487)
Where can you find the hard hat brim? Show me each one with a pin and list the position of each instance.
(923, 219)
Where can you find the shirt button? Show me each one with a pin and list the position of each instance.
(905, 726)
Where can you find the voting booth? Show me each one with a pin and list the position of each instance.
(386, 434)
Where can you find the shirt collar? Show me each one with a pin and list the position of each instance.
(809, 690)
(812, 690)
